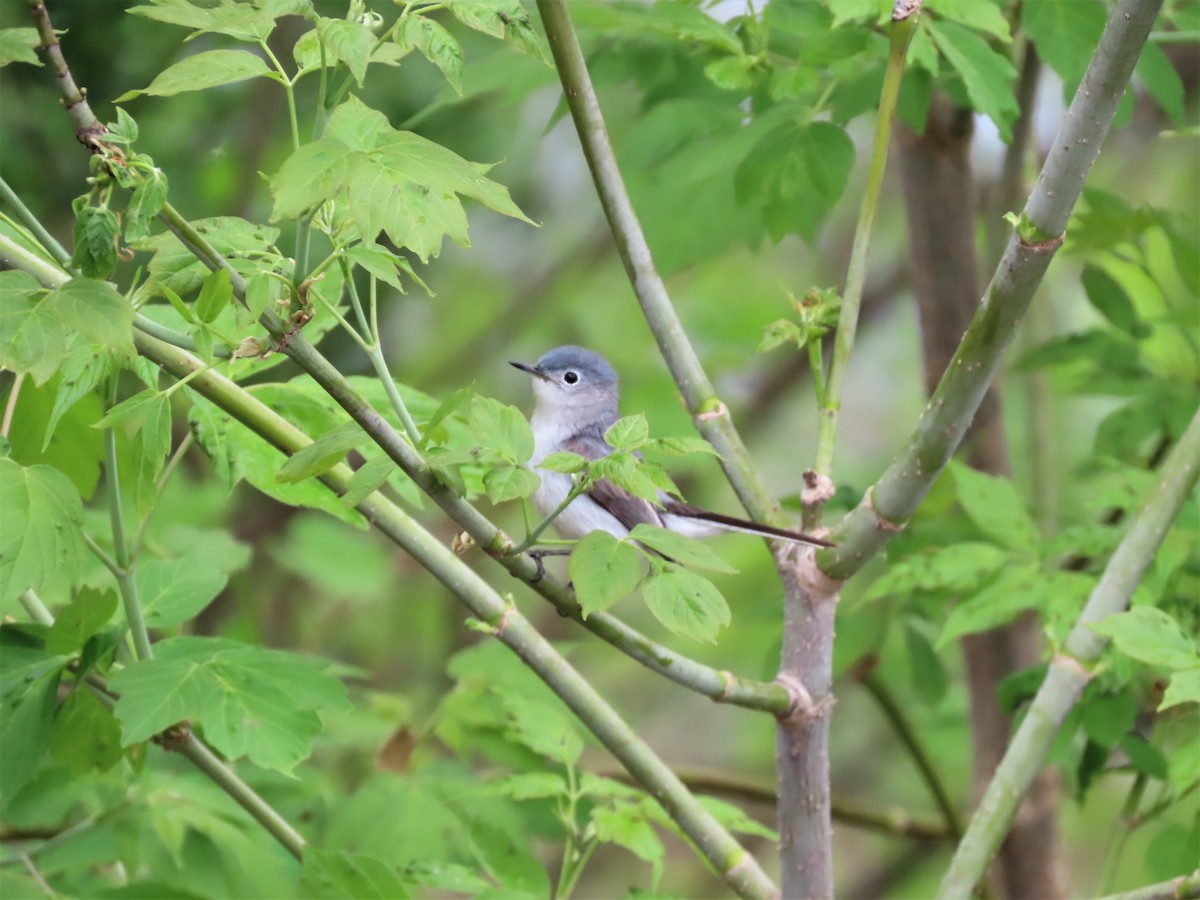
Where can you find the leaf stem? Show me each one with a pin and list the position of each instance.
(168, 470)
(10, 405)
(116, 516)
(53, 247)
(375, 352)
(856, 273)
(580, 487)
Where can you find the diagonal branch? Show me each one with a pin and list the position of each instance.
(1070, 670)
(709, 414)
(504, 622)
(894, 498)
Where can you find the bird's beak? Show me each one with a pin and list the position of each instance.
(532, 370)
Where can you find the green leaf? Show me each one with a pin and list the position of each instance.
(628, 433)
(129, 409)
(215, 295)
(28, 688)
(145, 203)
(1066, 33)
(505, 19)
(1110, 300)
(680, 445)
(90, 611)
(505, 483)
(238, 453)
(436, 44)
(123, 131)
(322, 454)
(1107, 717)
(982, 15)
(95, 235)
(32, 337)
(383, 264)
(176, 590)
(734, 819)
(82, 370)
(531, 786)
(1155, 70)
(682, 549)
(392, 181)
(332, 876)
(501, 429)
(733, 73)
(349, 42)
(40, 530)
(85, 735)
(798, 172)
(1012, 592)
(995, 507)
(1150, 635)
(634, 475)
(251, 702)
(686, 603)
(603, 571)
(17, 45)
(238, 20)
(564, 461)
(928, 673)
(97, 311)
(367, 479)
(988, 76)
(780, 332)
(151, 444)
(625, 825)
(434, 432)
(1183, 688)
(543, 729)
(207, 69)
(1146, 758)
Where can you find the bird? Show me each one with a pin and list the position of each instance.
(576, 393)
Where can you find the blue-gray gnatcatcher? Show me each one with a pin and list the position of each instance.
(576, 397)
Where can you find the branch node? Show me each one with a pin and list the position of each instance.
(175, 738)
(727, 680)
(717, 409)
(817, 488)
(1047, 245)
(503, 623)
(882, 523)
(802, 709)
(1070, 662)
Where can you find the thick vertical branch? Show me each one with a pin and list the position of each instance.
(938, 192)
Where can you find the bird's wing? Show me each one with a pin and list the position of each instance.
(626, 508)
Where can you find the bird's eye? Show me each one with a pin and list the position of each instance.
(570, 377)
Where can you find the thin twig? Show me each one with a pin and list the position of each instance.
(10, 405)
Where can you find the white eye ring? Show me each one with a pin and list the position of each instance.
(570, 377)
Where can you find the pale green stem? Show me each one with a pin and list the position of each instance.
(36, 608)
(1071, 670)
(856, 274)
(169, 470)
(14, 256)
(531, 538)
(124, 571)
(45, 238)
(1185, 887)
(375, 352)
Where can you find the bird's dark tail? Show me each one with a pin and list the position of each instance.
(745, 526)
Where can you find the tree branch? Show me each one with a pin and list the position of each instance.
(891, 502)
(1069, 671)
(1185, 887)
(710, 415)
(506, 623)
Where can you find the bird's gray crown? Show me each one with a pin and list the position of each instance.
(592, 368)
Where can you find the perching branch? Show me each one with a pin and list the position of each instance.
(1070, 670)
(717, 685)
(709, 414)
(1185, 887)
(891, 502)
(506, 623)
